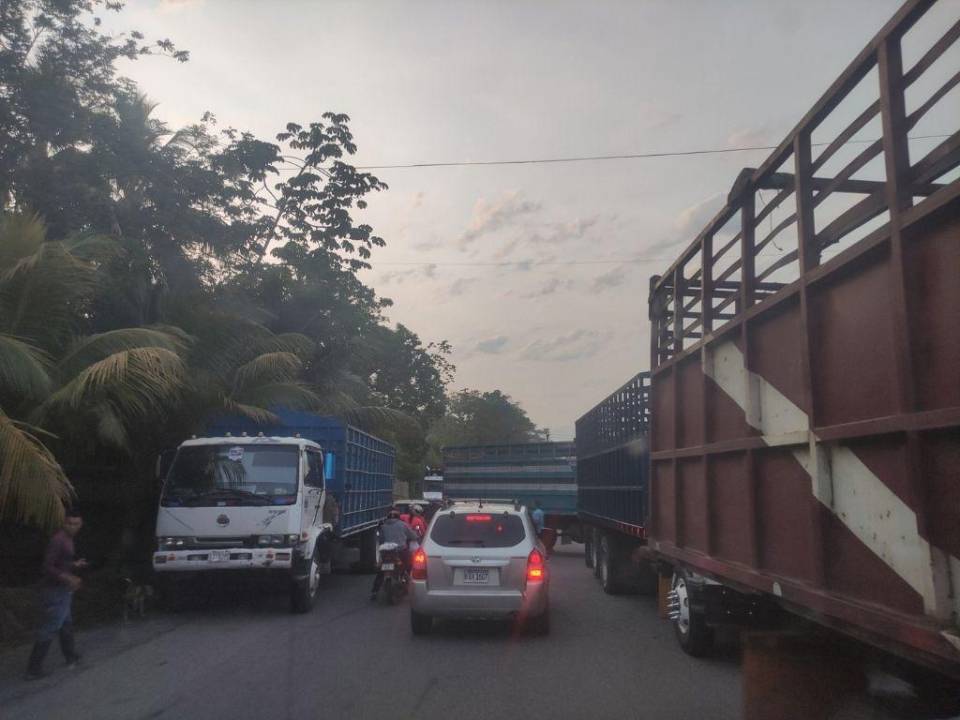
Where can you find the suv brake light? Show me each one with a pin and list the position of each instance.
(419, 569)
(536, 571)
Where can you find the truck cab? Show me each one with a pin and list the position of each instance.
(256, 504)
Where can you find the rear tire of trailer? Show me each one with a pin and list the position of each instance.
(608, 567)
(303, 593)
(588, 549)
(420, 624)
(693, 634)
(596, 547)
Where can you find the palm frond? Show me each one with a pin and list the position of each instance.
(111, 430)
(23, 369)
(267, 368)
(293, 395)
(33, 486)
(139, 383)
(258, 414)
(94, 348)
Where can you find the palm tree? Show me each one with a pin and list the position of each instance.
(50, 374)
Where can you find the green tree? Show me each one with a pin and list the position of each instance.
(475, 418)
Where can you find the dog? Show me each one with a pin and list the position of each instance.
(135, 598)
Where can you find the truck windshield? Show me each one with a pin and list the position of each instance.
(207, 475)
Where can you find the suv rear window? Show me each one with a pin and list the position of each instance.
(481, 530)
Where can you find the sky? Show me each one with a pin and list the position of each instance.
(537, 274)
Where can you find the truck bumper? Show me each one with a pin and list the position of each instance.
(165, 561)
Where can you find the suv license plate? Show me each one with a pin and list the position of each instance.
(219, 555)
(476, 576)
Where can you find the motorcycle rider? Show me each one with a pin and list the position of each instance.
(418, 522)
(394, 530)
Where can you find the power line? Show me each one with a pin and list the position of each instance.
(626, 156)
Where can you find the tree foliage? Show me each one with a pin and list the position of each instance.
(483, 418)
(152, 276)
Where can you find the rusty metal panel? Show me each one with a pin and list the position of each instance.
(809, 447)
(852, 345)
(932, 257)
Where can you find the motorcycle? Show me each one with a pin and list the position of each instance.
(396, 575)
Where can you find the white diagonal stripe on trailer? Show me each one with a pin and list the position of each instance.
(839, 479)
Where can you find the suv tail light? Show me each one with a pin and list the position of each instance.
(419, 569)
(536, 570)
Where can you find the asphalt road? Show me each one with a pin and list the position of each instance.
(242, 655)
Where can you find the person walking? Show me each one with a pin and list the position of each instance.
(59, 583)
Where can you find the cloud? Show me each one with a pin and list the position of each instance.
(492, 346)
(749, 137)
(490, 216)
(690, 221)
(552, 286)
(461, 285)
(168, 5)
(610, 279)
(427, 271)
(575, 345)
(551, 234)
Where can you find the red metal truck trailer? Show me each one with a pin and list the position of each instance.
(805, 357)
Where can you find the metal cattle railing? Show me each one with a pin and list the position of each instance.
(825, 207)
(620, 418)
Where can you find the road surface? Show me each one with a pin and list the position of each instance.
(244, 656)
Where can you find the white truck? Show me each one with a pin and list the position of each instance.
(288, 501)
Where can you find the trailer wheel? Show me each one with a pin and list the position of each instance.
(304, 592)
(608, 567)
(596, 547)
(588, 549)
(689, 625)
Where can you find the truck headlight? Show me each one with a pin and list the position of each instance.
(170, 543)
(272, 540)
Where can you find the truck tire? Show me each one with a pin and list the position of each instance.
(693, 633)
(596, 547)
(420, 624)
(609, 578)
(588, 550)
(303, 593)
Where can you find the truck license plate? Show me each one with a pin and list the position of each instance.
(476, 576)
(219, 555)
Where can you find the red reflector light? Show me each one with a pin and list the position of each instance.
(419, 569)
(535, 568)
(479, 518)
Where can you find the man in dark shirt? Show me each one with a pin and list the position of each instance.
(56, 595)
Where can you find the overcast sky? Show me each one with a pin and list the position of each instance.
(564, 324)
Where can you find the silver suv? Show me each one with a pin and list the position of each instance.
(480, 560)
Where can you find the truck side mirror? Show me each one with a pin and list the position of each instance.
(164, 461)
(329, 466)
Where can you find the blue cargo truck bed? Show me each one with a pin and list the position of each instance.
(526, 472)
(364, 468)
(612, 459)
